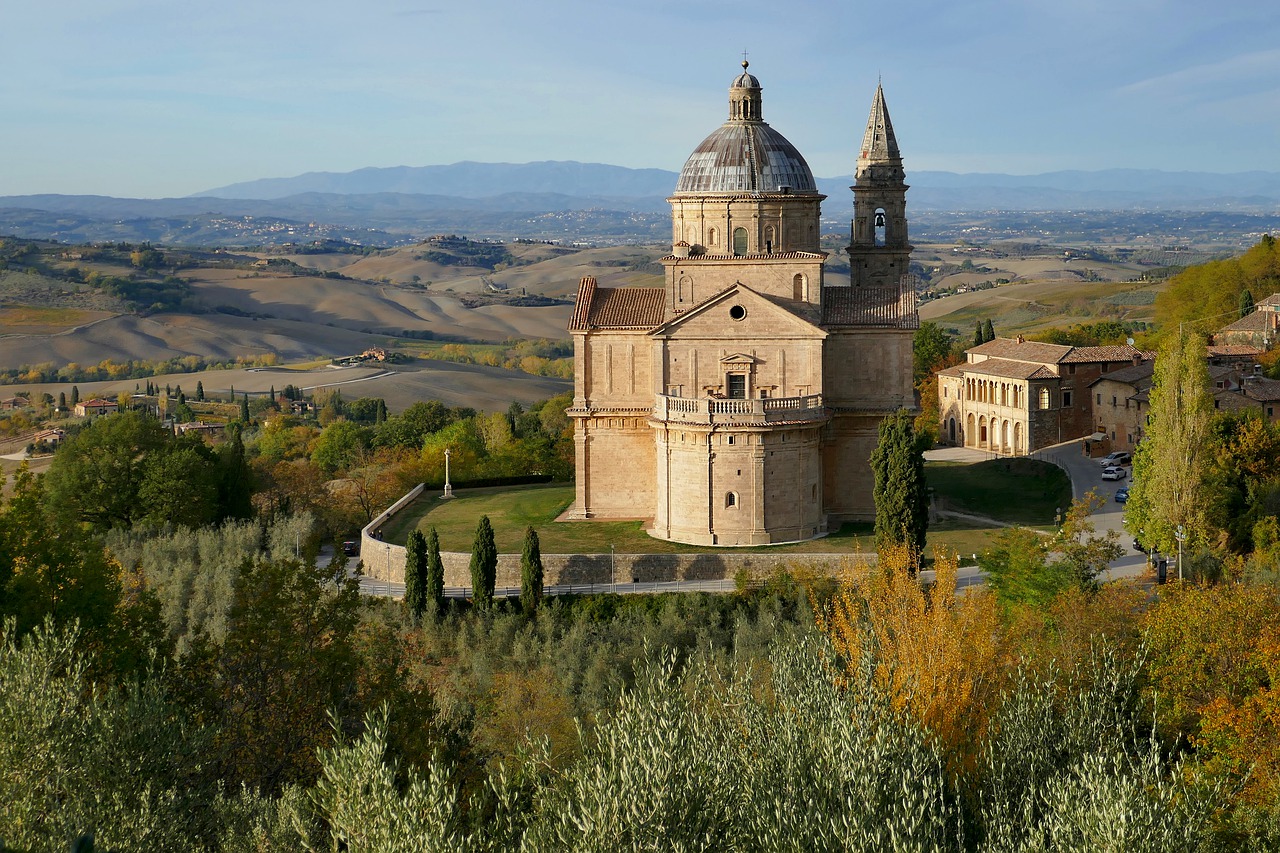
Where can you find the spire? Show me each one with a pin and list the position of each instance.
(878, 143)
(744, 96)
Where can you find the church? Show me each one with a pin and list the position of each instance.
(739, 404)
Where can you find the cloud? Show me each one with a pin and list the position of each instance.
(1256, 71)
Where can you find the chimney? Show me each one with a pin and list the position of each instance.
(1137, 359)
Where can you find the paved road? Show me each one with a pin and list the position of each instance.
(1086, 475)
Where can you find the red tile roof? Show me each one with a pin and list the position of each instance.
(1093, 355)
(894, 307)
(616, 307)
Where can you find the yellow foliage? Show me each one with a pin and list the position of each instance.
(938, 656)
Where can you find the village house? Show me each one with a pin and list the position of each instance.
(1259, 328)
(1013, 396)
(97, 406)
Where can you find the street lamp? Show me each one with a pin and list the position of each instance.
(613, 569)
(1181, 536)
(388, 544)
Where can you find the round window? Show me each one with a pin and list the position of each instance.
(737, 312)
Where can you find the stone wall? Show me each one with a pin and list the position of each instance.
(384, 561)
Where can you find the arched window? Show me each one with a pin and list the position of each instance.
(739, 241)
(731, 499)
(769, 239)
(799, 288)
(711, 238)
(1044, 398)
(882, 227)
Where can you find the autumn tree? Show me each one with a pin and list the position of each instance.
(484, 564)
(900, 491)
(1171, 465)
(531, 572)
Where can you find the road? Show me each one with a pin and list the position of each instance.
(1086, 475)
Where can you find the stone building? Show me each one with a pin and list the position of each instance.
(739, 403)
(1013, 396)
(1259, 328)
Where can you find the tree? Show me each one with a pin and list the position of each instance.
(244, 408)
(75, 394)
(415, 574)
(62, 400)
(199, 390)
(930, 348)
(434, 584)
(339, 446)
(988, 331)
(978, 338)
(1246, 303)
(900, 491)
(531, 572)
(97, 473)
(484, 564)
(1171, 465)
(1083, 555)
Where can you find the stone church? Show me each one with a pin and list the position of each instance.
(739, 404)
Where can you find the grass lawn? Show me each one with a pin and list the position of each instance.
(1019, 491)
(512, 508)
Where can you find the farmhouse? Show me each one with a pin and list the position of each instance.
(739, 403)
(98, 406)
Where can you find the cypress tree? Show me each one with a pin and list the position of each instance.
(988, 331)
(978, 339)
(484, 565)
(434, 585)
(199, 390)
(75, 394)
(1246, 303)
(62, 399)
(415, 574)
(900, 491)
(531, 572)
(244, 408)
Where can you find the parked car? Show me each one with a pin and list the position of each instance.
(1115, 472)
(1119, 457)
(1137, 546)
(1122, 494)
(350, 548)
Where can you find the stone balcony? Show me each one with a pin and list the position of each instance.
(711, 410)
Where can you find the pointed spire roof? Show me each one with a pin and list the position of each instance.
(878, 143)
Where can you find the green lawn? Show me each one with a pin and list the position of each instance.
(1019, 491)
(512, 508)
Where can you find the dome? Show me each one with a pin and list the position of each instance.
(745, 155)
(748, 157)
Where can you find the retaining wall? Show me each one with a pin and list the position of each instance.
(384, 561)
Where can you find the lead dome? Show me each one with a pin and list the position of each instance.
(745, 154)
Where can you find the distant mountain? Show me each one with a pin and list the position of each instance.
(601, 185)
(467, 180)
(570, 202)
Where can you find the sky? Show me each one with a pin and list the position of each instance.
(143, 98)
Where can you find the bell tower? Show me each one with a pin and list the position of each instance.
(879, 252)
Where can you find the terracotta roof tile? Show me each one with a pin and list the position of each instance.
(1228, 350)
(617, 307)
(1016, 350)
(894, 307)
(1131, 375)
(1003, 368)
(1256, 321)
(1273, 299)
(1262, 389)
(1093, 355)
(775, 256)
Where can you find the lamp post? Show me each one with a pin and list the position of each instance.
(613, 569)
(448, 489)
(1181, 536)
(388, 544)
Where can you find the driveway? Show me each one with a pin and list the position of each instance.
(1086, 476)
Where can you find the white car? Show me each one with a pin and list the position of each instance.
(1119, 457)
(1114, 472)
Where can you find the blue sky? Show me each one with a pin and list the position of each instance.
(147, 98)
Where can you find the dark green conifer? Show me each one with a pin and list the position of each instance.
(900, 491)
(484, 565)
(434, 588)
(415, 574)
(531, 579)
